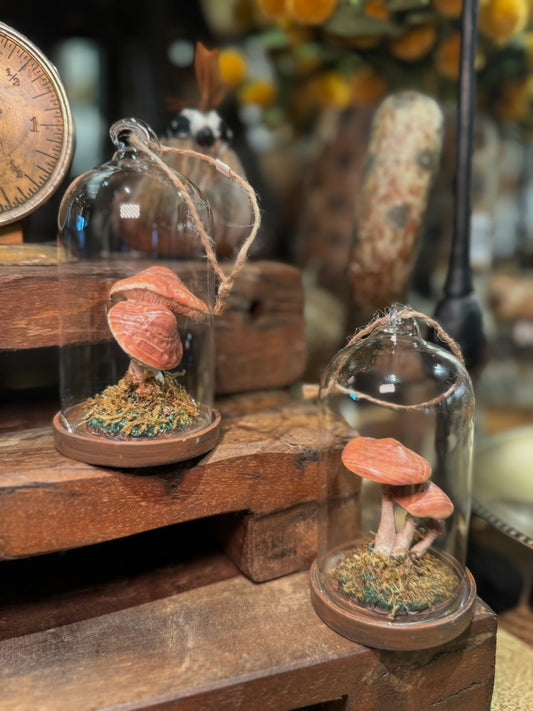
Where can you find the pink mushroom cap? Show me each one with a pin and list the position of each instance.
(160, 285)
(149, 334)
(425, 500)
(385, 460)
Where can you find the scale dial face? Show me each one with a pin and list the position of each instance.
(36, 130)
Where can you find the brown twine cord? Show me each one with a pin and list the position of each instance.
(397, 312)
(405, 312)
(226, 282)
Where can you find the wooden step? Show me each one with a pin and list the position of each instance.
(238, 646)
(262, 476)
(259, 338)
(42, 592)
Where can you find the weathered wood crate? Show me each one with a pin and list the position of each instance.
(197, 633)
(232, 645)
(49, 502)
(259, 338)
(262, 475)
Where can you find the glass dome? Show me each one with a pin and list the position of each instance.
(136, 311)
(396, 421)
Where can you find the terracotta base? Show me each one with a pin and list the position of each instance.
(373, 630)
(142, 452)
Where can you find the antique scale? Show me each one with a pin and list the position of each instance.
(36, 142)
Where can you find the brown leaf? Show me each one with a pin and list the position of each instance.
(207, 71)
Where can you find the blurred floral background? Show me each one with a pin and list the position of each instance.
(302, 80)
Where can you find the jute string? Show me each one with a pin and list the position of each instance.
(395, 313)
(404, 312)
(225, 281)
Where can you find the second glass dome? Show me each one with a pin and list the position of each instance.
(396, 416)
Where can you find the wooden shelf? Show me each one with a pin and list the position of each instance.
(235, 645)
(263, 472)
(113, 593)
(259, 338)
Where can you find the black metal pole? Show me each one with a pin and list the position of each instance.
(459, 312)
(459, 278)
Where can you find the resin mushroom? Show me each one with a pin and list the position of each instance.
(163, 287)
(425, 500)
(390, 463)
(434, 527)
(148, 334)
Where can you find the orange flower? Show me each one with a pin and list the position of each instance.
(447, 58)
(499, 20)
(448, 8)
(415, 43)
(311, 12)
(276, 9)
(258, 91)
(377, 9)
(367, 87)
(330, 89)
(232, 67)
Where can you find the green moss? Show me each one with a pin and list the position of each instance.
(394, 586)
(141, 408)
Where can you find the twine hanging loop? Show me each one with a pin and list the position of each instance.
(388, 319)
(225, 281)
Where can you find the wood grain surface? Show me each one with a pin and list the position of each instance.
(265, 462)
(259, 338)
(47, 591)
(235, 645)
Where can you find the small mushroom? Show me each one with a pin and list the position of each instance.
(148, 334)
(160, 285)
(424, 500)
(434, 527)
(390, 463)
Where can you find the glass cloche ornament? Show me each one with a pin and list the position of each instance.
(396, 420)
(136, 311)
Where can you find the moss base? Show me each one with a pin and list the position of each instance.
(394, 586)
(140, 408)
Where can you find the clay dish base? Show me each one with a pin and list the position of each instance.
(105, 451)
(373, 630)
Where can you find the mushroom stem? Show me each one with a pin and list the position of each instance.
(435, 527)
(386, 532)
(404, 538)
(136, 370)
(421, 547)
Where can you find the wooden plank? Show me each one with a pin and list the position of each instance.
(266, 546)
(259, 338)
(235, 645)
(47, 591)
(265, 461)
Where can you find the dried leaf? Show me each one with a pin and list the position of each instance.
(207, 69)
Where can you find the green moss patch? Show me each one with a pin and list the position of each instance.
(141, 408)
(394, 586)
